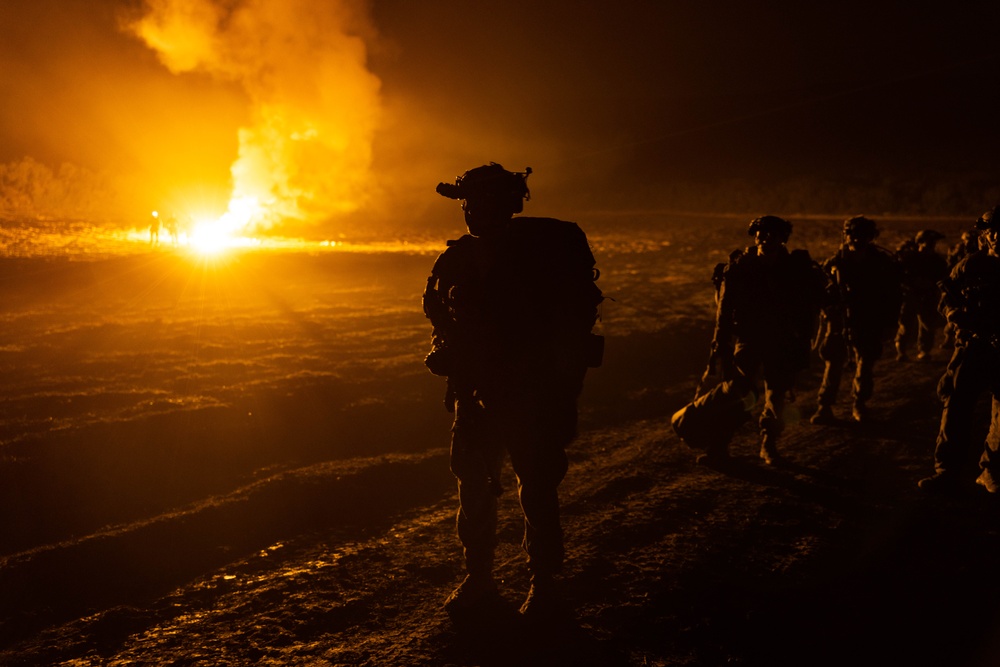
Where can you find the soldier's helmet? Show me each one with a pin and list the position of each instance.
(773, 224)
(989, 220)
(490, 182)
(928, 236)
(861, 227)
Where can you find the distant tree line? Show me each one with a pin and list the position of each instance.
(32, 190)
(945, 195)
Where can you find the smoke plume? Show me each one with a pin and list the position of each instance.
(306, 153)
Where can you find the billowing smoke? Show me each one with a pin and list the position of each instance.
(306, 153)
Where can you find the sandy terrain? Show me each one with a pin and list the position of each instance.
(197, 475)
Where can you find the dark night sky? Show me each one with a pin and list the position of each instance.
(687, 89)
(591, 95)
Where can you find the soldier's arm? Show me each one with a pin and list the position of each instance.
(952, 304)
(722, 339)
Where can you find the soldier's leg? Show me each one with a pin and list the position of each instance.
(866, 352)
(989, 462)
(538, 457)
(540, 464)
(475, 461)
(779, 372)
(834, 353)
(771, 422)
(927, 325)
(748, 362)
(964, 380)
(779, 378)
(989, 478)
(777, 368)
(906, 332)
(833, 371)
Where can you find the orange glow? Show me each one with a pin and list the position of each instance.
(305, 147)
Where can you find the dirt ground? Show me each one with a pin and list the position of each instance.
(833, 558)
(247, 464)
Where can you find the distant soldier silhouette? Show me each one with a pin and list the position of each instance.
(170, 222)
(971, 302)
(968, 244)
(154, 229)
(512, 303)
(768, 302)
(923, 268)
(866, 279)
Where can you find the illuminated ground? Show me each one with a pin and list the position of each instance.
(246, 464)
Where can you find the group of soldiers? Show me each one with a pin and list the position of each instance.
(515, 393)
(769, 300)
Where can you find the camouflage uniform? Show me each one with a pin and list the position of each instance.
(512, 314)
(923, 268)
(867, 284)
(968, 245)
(971, 301)
(965, 247)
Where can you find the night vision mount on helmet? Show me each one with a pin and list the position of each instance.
(861, 226)
(771, 223)
(989, 220)
(928, 236)
(490, 181)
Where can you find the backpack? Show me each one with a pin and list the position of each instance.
(536, 287)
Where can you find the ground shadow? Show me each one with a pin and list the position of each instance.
(502, 637)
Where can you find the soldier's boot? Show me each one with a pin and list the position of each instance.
(769, 451)
(477, 591)
(988, 481)
(859, 412)
(941, 482)
(924, 355)
(901, 353)
(823, 416)
(714, 456)
(545, 602)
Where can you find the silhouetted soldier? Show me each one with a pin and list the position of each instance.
(768, 302)
(154, 229)
(923, 268)
(170, 222)
(971, 301)
(867, 283)
(512, 303)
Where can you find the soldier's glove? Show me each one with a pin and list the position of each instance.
(440, 361)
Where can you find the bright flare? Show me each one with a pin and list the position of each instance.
(214, 236)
